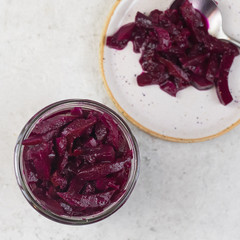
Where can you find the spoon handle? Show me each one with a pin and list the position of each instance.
(222, 35)
(234, 42)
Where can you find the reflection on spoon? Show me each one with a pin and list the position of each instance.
(211, 11)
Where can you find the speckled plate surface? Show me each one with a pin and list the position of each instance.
(190, 117)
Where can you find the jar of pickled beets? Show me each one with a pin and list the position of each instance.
(76, 161)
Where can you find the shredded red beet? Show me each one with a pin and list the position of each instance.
(77, 163)
(177, 50)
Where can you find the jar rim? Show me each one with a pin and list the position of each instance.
(91, 105)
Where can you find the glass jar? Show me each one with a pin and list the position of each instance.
(51, 110)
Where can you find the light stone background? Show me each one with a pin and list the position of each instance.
(49, 52)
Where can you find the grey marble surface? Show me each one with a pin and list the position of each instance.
(48, 52)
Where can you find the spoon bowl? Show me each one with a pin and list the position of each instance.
(213, 14)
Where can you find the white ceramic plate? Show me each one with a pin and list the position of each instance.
(190, 117)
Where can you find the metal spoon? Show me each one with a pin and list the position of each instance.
(211, 11)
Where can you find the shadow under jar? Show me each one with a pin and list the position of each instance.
(76, 161)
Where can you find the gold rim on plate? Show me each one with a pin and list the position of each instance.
(127, 116)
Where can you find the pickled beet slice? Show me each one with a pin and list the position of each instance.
(194, 20)
(145, 79)
(100, 131)
(42, 161)
(142, 20)
(76, 185)
(196, 64)
(138, 40)
(37, 139)
(51, 192)
(165, 22)
(50, 135)
(87, 201)
(77, 127)
(181, 40)
(100, 170)
(101, 153)
(77, 152)
(176, 4)
(58, 180)
(173, 15)
(149, 62)
(37, 190)
(154, 16)
(53, 205)
(216, 46)
(91, 143)
(72, 167)
(89, 188)
(123, 148)
(169, 87)
(30, 172)
(120, 177)
(201, 83)
(213, 68)
(174, 70)
(164, 40)
(67, 208)
(63, 161)
(104, 184)
(32, 140)
(32, 152)
(222, 88)
(195, 60)
(61, 145)
(77, 111)
(230, 48)
(125, 33)
(180, 84)
(53, 123)
(112, 128)
(121, 38)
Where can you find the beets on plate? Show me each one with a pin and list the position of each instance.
(177, 50)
